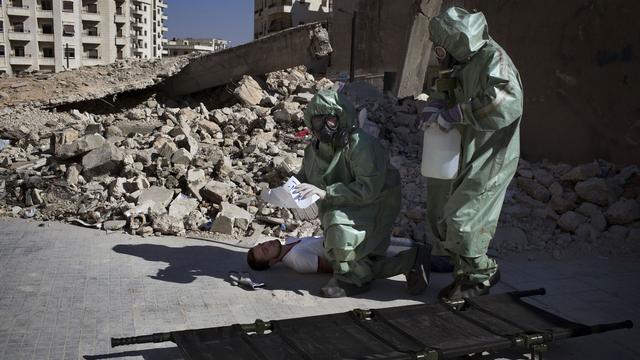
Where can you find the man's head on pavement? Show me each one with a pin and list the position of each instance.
(460, 33)
(263, 255)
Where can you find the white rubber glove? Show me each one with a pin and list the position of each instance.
(307, 190)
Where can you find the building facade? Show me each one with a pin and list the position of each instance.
(55, 35)
(177, 47)
(275, 15)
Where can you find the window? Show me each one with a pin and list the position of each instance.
(18, 27)
(67, 6)
(47, 28)
(1, 50)
(1, 26)
(46, 5)
(47, 52)
(69, 52)
(18, 51)
(68, 30)
(92, 31)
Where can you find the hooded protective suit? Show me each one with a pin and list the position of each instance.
(463, 213)
(362, 196)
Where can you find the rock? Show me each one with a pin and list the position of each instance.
(186, 115)
(587, 232)
(210, 127)
(114, 131)
(562, 204)
(556, 189)
(543, 177)
(196, 180)
(73, 174)
(595, 215)
(80, 146)
(136, 114)
(181, 206)
(168, 225)
(248, 91)
(114, 225)
(269, 101)
(156, 195)
(303, 98)
(168, 149)
(195, 220)
(623, 212)
(509, 238)
(533, 189)
(583, 172)
(103, 160)
(216, 192)
(182, 157)
(64, 137)
(634, 235)
(594, 190)
(189, 143)
(231, 216)
(286, 111)
(570, 221)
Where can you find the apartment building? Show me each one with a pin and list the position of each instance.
(177, 47)
(274, 15)
(54, 35)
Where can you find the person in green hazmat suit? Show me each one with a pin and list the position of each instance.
(359, 200)
(484, 103)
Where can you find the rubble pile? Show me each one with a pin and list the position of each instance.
(171, 166)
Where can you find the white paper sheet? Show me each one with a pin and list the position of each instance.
(287, 197)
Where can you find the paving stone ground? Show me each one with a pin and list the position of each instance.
(65, 291)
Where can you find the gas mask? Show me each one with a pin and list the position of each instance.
(445, 59)
(325, 127)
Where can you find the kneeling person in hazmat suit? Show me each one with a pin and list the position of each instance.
(484, 103)
(360, 198)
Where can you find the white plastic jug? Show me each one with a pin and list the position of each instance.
(440, 153)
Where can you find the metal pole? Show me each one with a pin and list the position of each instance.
(352, 67)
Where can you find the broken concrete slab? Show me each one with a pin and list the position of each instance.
(103, 160)
(304, 44)
(248, 91)
(229, 217)
(182, 205)
(217, 192)
(156, 194)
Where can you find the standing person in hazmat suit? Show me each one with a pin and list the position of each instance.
(360, 198)
(484, 103)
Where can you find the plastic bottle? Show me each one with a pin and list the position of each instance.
(440, 153)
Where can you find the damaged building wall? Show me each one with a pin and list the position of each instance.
(580, 68)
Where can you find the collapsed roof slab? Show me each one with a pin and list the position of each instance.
(300, 45)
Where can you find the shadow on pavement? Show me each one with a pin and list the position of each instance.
(186, 264)
(170, 353)
(189, 262)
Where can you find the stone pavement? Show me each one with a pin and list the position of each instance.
(65, 290)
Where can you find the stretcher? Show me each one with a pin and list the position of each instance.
(427, 331)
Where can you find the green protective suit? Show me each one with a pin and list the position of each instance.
(463, 213)
(362, 196)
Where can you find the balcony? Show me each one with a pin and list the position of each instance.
(46, 60)
(91, 60)
(138, 25)
(164, 29)
(162, 4)
(90, 15)
(121, 41)
(44, 12)
(138, 11)
(19, 34)
(119, 19)
(42, 36)
(18, 10)
(24, 59)
(91, 39)
(164, 17)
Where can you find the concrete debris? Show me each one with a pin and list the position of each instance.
(167, 166)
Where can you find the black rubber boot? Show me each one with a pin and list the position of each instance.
(463, 288)
(337, 289)
(418, 276)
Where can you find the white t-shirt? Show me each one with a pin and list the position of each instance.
(303, 256)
